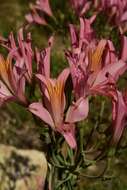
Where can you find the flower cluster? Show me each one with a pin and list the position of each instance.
(94, 67)
(115, 11)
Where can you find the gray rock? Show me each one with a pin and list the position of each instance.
(22, 169)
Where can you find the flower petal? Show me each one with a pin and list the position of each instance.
(120, 110)
(97, 56)
(78, 111)
(38, 109)
(44, 6)
(124, 48)
(68, 131)
(73, 35)
(64, 75)
(115, 70)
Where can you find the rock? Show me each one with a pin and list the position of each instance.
(22, 169)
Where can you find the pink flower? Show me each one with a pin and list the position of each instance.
(98, 78)
(12, 81)
(80, 6)
(41, 6)
(53, 111)
(95, 66)
(22, 52)
(84, 66)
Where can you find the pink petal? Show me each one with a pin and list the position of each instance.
(68, 131)
(25, 50)
(124, 48)
(119, 117)
(78, 111)
(115, 70)
(39, 20)
(42, 79)
(85, 8)
(43, 59)
(44, 6)
(78, 74)
(12, 41)
(38, 109)
(64, 75)
(34, 16)
(124, 17)
(73, 35)
(21, 89)
(7, 99)
(80, 6)
(70, 139)
(86, 31)
(44, 86)
(4, 90)
(29, 18)
(110, 54)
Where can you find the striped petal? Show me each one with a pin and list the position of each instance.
(78, 111)
(38, 109)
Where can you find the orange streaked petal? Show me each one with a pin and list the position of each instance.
(97, 56)
(3, 68)
(56, 94)
(6, 72)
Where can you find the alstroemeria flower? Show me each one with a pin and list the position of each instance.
(12, 81)
(90, 76)
(95, 69)
(84, 65)
(41, 6)
(80, 6)
(77, 57)
(119, 116)
(105, 68)
(94, 65)
(22, 52)
(53, 111)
